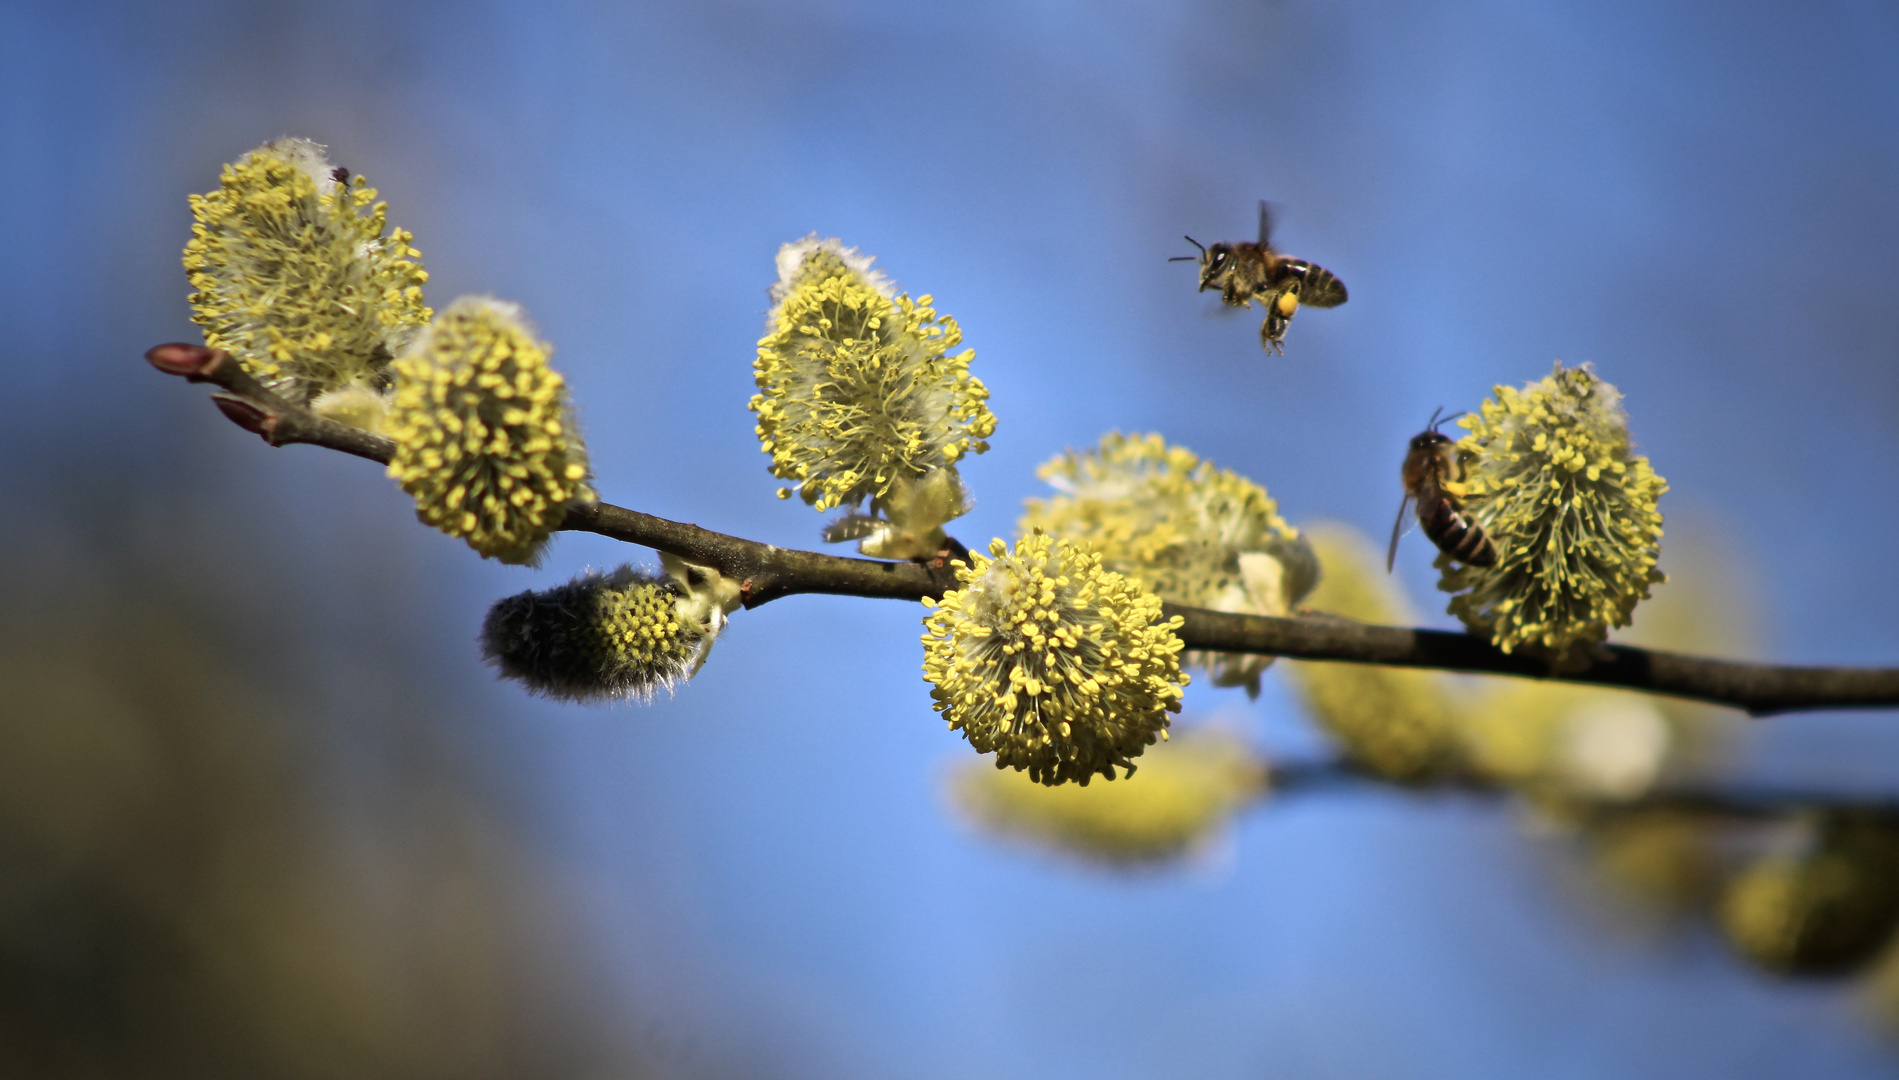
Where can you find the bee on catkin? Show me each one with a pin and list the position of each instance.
(1433, 475)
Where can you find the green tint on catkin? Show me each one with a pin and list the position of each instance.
(861, 398)
(1185, 794)
(604, 637)
(1401, 724)
(292, 272)
(1059, 667)
(1571, 509)
(485, 442)
(1827, 910)
(1192, 533)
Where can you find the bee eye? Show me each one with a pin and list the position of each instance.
(1219, 258)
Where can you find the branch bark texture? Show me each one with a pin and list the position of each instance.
(767, 572)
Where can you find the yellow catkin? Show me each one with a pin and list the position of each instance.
(859, 390)
(484, 439)
(599, 637)
(1823, 911)
(1192, 533)
(1059, 667)
(295, 271)
(1571, 509)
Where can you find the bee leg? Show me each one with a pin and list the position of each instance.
(1279, 311)
(1272, 332)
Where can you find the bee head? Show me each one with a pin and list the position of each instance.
(1431, 437)
(1214, 264)
(1213, 261)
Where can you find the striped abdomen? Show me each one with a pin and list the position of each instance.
(1317, 286)
(1454, 532)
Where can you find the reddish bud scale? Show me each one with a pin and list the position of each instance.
(193, 362)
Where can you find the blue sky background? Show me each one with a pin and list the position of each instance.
(1697, 197)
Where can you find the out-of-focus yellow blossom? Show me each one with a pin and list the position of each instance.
(1568, 739)
(1663, 858)
(485, 439)
(292, 272)
(861, 398)
(1401, 723)
(1614, 744)
(1825, 910)
(1705, 608)
(1572, 512)
(1059, 667)
(1879, 995)
(1194, 534)
(1185, 794)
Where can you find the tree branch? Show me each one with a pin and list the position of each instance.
(768, 572)
(1760, 689)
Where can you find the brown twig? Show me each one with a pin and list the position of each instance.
(768, 572)
(1761, 689)
(256, 408)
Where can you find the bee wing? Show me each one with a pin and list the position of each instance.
(1265, 223)
(1397, 532)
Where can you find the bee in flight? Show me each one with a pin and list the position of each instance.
(1244, 271)
(1434, 476)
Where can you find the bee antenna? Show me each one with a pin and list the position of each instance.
(1435, 422)
(1191, 258)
